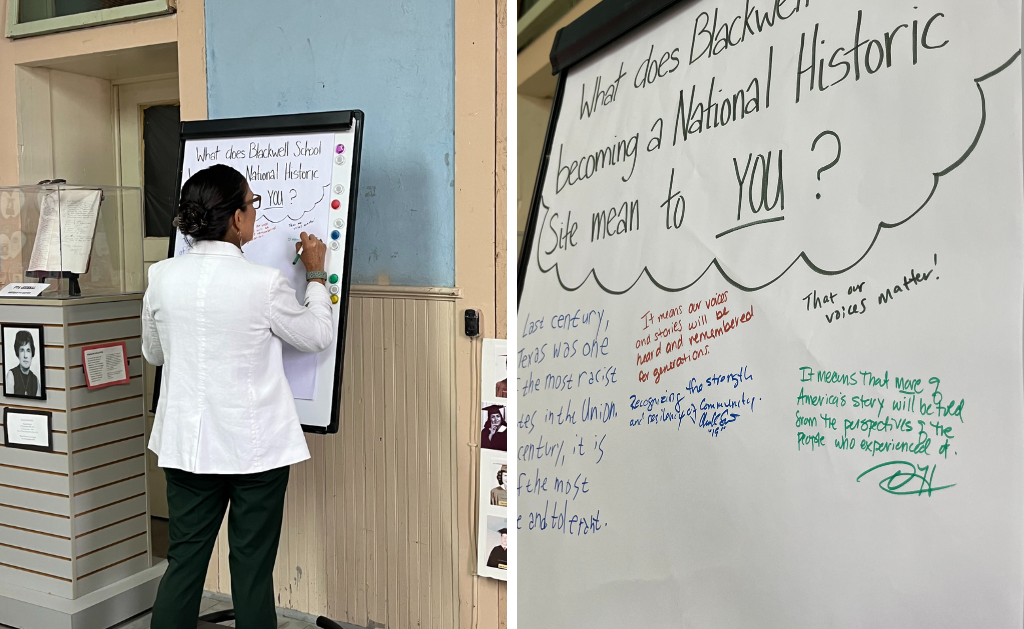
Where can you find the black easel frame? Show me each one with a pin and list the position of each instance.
(587, 35)
(320, 122)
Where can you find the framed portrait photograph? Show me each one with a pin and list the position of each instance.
(493, 427)
(492, 548)
(28, 430)
(501, 369)
(497, 543)
(24, 365)
(498, 495)
(494, 372)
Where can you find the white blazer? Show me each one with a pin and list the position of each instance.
(215, 321)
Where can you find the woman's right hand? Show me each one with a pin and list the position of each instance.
(314, 251)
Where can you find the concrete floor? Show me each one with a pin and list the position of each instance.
(211, 605)
(158, 530)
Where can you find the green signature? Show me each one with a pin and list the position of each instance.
(919, 478)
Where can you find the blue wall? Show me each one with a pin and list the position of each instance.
(392, 59)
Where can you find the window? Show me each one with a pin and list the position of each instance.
(38, 17)
(160, 127)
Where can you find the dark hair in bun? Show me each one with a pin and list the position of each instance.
(208, 201)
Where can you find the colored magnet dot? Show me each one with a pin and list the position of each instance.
(335, 235)
(335, 204)
(339, 149)
(333, 278)
(334, 299)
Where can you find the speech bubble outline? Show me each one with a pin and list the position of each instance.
(802, 255)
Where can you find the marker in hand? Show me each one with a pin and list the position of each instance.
(297, 255)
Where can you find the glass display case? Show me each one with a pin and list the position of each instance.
(84, 241)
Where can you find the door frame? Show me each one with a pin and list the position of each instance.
(130, 100)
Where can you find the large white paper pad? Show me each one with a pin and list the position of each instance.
(770, 369)
(293, 176)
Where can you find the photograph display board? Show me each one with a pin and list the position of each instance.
(492, 536)
(771, 246)
(306, 169)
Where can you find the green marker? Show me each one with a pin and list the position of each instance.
(297, 256)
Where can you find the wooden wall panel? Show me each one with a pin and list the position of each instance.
(113, 573)
(112, 554)
(54, 504)
(50, 565)
(93, 499)
(36, 480)
(92, 521)
(105, 474)
(120, 531)
(33, 460)
(369, 534)
(501, 176)
(108, 432)
(28, 539)
(33, 520)
(480, 258)
(84, 398)
(100, 414)
(106, 311)
(96, 456)
(124, 328)
(28, 313)
(59, 586)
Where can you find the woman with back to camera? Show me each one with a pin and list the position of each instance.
(226, 427)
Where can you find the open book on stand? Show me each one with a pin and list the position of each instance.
(67, 224)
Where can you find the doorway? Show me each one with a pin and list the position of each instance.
(148, 121)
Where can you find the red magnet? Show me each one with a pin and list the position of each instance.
(339, 149)
(335, 204)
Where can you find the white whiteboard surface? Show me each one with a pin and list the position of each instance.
(680, 370)
(299, 176)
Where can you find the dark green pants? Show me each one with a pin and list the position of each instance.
(196, 504)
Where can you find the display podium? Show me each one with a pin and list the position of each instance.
(74, 522)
